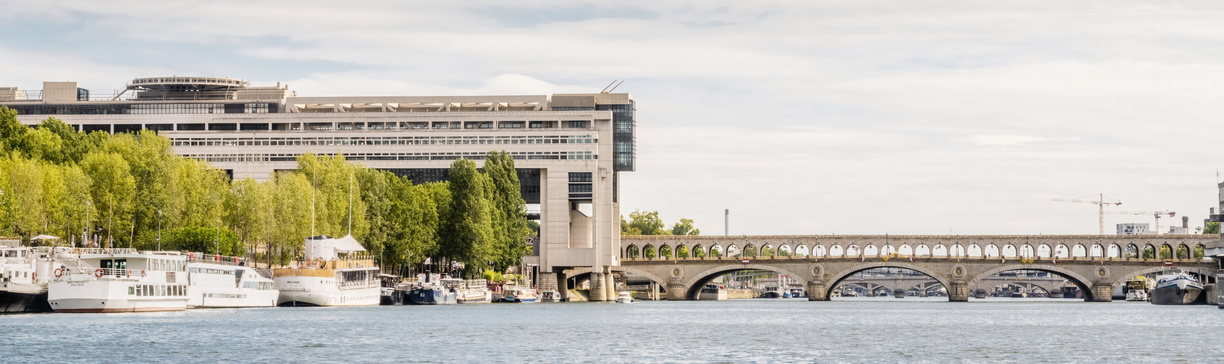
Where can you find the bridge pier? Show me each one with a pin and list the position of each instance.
(1102, 292)
(676, 290)
(958, 292)
(817, 291)
(599, 290)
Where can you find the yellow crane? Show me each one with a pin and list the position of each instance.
(1100, 202)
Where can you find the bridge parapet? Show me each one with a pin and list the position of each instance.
(1161, 247)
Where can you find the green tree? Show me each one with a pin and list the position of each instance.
(645, 223)
(509, 211)
(685, 227)
(1212, 228)
(335, 185)
(682, 251)
(113, 193)
(249, 213)
(468, 234)
(291, 203)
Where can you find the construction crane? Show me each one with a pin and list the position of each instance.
(1100, 202)
(1157, 214)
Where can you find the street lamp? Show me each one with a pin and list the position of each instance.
(159, 218)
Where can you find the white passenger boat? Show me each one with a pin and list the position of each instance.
(218, 282)
(336, 272)
(24, 274)
(119, 280)
(471, 291)
(1176, 289)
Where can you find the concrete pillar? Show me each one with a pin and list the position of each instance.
(598, 292)
(562, 286)
(1101, 292)
(675, 291)
(958, 292)
(1213, 295)
(610, 285)
(547, 281)
(817, 291)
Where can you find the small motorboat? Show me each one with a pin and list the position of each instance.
(624, 297)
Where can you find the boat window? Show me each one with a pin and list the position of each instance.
(146, 289)
(131, 290)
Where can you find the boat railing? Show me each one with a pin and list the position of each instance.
(97, 251)
(72, 264)
(195, 257)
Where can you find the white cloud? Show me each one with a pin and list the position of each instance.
(802, 117)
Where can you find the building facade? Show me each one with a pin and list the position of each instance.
(569, 148)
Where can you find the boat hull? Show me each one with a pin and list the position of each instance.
(76, 296)
(355, 297)
(1173, 295)
(22, 302)
(429, 296)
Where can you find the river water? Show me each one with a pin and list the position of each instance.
(882, 330)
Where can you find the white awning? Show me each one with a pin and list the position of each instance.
(348, 244)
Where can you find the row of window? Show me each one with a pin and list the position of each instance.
(583, 155)
(157, 290)
(450, 140)
(146, 108)
(210, 270)
(264, 286)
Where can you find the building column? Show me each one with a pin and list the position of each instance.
(598, 292)
(958, 292)
(1101, 292)
(817, 291)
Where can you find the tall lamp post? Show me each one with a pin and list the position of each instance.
(159, 218)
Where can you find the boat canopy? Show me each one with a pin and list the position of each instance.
(328, 248)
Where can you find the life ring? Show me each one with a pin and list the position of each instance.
(99, 272)
(59, 272)
(143, 274)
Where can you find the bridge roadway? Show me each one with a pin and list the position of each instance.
(1096, 264)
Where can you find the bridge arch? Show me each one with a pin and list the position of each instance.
(1084, 284)
(699, 280)
(840, 276)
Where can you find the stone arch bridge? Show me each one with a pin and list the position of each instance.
(1096, 264)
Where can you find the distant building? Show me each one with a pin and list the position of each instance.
(1133, 229)
(569, 148)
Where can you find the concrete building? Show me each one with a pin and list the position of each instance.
(1133, 229)
(569, 148)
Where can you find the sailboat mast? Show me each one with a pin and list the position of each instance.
(350, 225)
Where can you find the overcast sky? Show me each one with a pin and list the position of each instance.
(801, 117)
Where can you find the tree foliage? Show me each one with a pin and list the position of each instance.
(126, 188)
(649, 223)
(1211, 228)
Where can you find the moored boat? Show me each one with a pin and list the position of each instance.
(432, 294)
(224, 282)
(1136, 289)
(519, 295)
(335, 272)
(550, 296)
(119, 280)
(24, 274)
(1178, 288)
(474, 291)
(624, 297)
